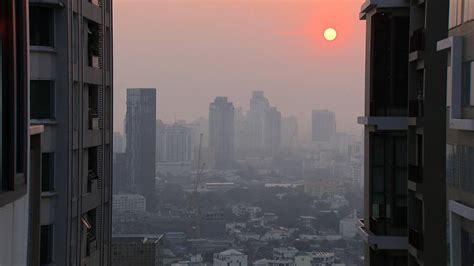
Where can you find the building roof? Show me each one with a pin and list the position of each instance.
(231, 252)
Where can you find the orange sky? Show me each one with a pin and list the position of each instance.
(192, 51)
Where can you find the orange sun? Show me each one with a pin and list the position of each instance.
(330, 34)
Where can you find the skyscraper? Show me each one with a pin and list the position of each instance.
(259, 106)
(221, 132)
(460, 132)
(289, 131)
(71, 79)
(272, 131)
(141, 143)
(176, 144)
(405, 133)
(323, 125)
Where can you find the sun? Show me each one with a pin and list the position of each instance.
(330, 34)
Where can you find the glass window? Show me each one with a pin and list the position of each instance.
(42, 99)
(467, 248)
(41, 26)
(466, 84)
(47, 174)
(46, 249)
(468, 9)
(1, 116)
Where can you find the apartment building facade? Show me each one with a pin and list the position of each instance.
(71, 96)
(20, 145)
(459, 46)
(405, 133)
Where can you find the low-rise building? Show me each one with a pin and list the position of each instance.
(266, 262)
(348, 226)
(318, 258)
(230, 257)
(284, 253)
(141, 250)
(129, 202)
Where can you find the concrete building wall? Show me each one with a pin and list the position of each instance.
(71, 78)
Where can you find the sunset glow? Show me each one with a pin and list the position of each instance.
(330, 34)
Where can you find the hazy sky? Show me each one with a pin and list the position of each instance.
(192, 51)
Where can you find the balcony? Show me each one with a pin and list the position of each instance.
(91, 246)
(416, 108)
(92, 181)
(417, 41)
(415, 173)
(381, 241)
(93, 120)
(415, 238)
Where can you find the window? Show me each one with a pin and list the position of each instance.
(41, 26)
(47, 174)
(468, 12)
(42, 99)
(455, 13)
(460, 11)
(389, 179)
(467, 248)
(46, 249)
(1, 117)
(467, 84)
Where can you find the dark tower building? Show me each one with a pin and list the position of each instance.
(140, 130)
(405, 133)
(221, 132)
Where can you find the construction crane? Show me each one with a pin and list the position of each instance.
(195, 203)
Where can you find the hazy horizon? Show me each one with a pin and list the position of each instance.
(193, 51)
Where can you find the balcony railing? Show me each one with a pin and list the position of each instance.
(91, 180)
(91, 244)
(415, 238)
(415, 173)
(417, 40)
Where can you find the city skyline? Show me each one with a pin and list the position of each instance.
(201, 50)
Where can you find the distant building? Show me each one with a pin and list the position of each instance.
(176, 144)
(159, 145)
(315, 258)
(119, 143)
(259, 106)
(143, 250)
(320, 188)
(219, 186)
(213, 225)
(207, 157)
(284, 253)
(175, 149)
(196, 260)
(141, 138)
(289, 131)
(128, 202)
(348, 226)
(274, 262)
(221, 132)
(272, 131)
(307, 221)
(122, 180)
(323, 125)
(230, 257)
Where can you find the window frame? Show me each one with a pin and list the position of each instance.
(52, 100)
(51, 30)
(15, 123)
